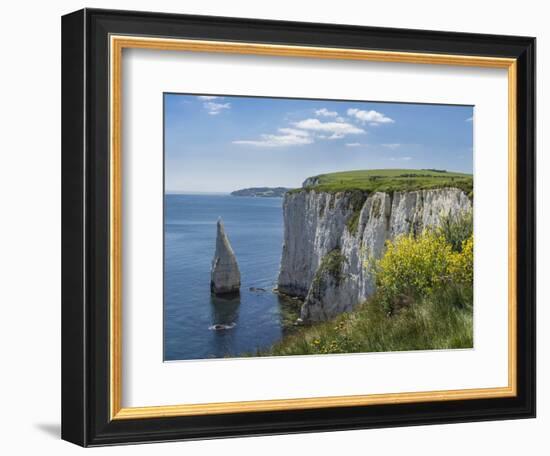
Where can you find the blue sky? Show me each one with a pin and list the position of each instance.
(223, 143)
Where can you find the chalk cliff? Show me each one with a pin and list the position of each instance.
(329, 239)
(225, 276)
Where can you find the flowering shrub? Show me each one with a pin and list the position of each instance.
(461, 266)
(414, 268)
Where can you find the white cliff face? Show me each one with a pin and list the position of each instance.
(329, 240)
(225, 276)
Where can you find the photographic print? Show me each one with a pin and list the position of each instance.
(241, 194)
(309, 227)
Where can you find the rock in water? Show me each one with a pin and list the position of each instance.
(225, 277)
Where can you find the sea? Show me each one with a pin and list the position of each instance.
(198, 325)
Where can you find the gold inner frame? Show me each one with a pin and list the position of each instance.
(117, 44)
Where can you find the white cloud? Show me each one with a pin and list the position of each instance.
(286, 137)
(304, 132)
(470, 119)
(334, 129)
(294, 131)
(340, 119)
(391, 146)
(355, 144)
(400, 158)
(371, 117)
(324, 112)
(214, 108)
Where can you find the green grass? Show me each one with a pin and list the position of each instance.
(392, 180)
(442, 321)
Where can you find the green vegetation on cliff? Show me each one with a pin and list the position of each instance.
(390, 180)
(331, 264)
(357, 201)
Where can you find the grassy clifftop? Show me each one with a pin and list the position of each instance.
(391, 180)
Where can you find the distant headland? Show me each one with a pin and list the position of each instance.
(263, 192)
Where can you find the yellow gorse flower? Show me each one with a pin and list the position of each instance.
(417, 266)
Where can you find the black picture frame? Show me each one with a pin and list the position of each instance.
(85, 227)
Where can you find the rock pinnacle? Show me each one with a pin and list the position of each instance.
(225, 277)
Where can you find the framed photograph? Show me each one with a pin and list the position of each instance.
(278, 227)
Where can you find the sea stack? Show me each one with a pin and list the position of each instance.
(225, 277)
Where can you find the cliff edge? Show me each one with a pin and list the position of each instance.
(330, 238)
